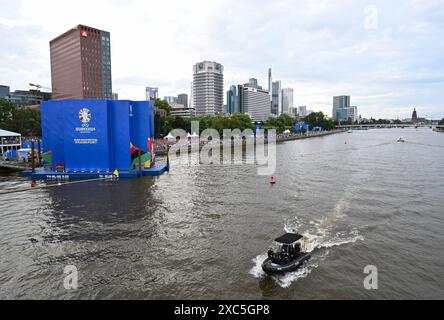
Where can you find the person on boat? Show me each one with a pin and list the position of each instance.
(270, 254)
(272, 180)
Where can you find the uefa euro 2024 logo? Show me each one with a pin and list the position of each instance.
(85, 115)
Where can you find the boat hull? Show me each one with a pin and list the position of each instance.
(271, 268)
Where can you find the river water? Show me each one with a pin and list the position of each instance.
(202, 232)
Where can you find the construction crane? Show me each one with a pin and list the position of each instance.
(38, 87)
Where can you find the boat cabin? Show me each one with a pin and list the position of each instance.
(286, 247)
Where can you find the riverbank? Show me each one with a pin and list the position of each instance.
(14, 165)
(161, 150)
(307, 136)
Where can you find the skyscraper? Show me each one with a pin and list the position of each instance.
(81, 64)
(232, 100)
(170, 99)
(208, 87)
(287, 100)
(255, 102)
(302, 111)
(276, 103)
(4, 92)
(183, 99)
(340, 102)
(270, 84)
(151, 93)
(253, 82)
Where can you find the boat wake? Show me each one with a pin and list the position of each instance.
(319, 236)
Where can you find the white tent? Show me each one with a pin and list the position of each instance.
(194, 135)
(5, 133)
(9, 141)
(189, 135)
(287, 131)
(170, 137)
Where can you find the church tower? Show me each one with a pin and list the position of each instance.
(414, 116)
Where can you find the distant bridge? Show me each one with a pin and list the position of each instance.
(385, 126)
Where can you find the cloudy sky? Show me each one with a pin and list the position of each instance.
(388, 55)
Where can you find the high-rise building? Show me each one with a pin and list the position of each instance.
(340, 102)
(4, 92)
(287, 100)
(302, 111)
(342, 111)
(276, 103)
(253, 82)
(256, 102)
(170, 99)
(353, 113)
(240, 98)
(115, 96)
(294, 111)
(192, 96)
(81, 64)
(183, 99)
(151, 93)
(270, 85)
(232, 100)
(208, 88)
(342, 114)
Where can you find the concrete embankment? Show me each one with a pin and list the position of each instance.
(14, 165)
(279, 139)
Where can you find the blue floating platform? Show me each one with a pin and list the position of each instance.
(41, 174)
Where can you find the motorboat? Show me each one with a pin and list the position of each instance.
(350, 131)
(286, 255)
(401, 139)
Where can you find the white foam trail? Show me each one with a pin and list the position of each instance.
(257, 271)
(286, 280)
(338, 241)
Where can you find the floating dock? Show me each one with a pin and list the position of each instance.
(42, 174)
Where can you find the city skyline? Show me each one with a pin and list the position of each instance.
(323, 51)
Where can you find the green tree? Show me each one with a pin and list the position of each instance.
(162, 104)
(6, 112)
(317, 119)
(26, 121)
(219, 123)
(441, 123)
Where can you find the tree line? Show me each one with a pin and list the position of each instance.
(26, 121)
(239, 121)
